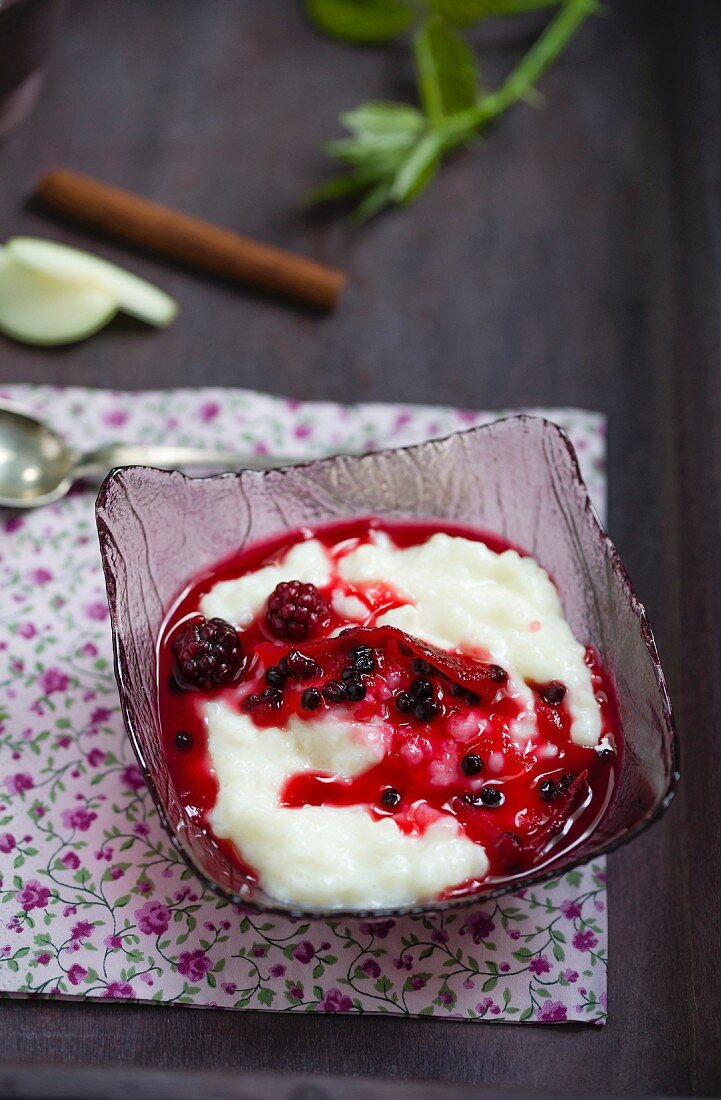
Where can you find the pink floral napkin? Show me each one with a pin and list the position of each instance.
(94, 900)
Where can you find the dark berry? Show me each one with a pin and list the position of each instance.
(471, 764)
(355, 691)
(390, 797)
(404, 702)
(497, 674)
(349, 673)
(553, 693)
(422, 668)
(547, 790)
(206, 654)
(173, 686)
(421, 689)
(491, 796)
(296, 610)
(183, 739)
(360, 651)
(427, 710)
(365, 664)
(270, 699)
(275, 677)
(470, 697)
(300, 667)
(334, 692)
(311, 699)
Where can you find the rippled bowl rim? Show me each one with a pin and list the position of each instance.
(546, 874)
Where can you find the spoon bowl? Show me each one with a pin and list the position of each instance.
(37, 466)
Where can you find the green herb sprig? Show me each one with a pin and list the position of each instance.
(394, 149)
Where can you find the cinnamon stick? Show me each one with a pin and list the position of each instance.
(196, 242)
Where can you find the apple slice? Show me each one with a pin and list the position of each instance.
(134, 295)
(38, 309)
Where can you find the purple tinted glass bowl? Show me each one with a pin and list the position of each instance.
(517, 478)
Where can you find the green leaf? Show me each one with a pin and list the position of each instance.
(465, 12)
(417, 170)
(383, 117)
(265, 996)
(446, 70)
(525, 1015)
(488, 985)
(360, 20)
(373, 203)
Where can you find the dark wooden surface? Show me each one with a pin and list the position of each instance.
(574, 258)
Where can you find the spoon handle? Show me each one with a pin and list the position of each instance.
(122, 454)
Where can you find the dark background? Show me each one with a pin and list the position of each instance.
(573, 258)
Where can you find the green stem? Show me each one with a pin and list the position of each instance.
(531, 68)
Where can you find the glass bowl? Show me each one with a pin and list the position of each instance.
(517, 477)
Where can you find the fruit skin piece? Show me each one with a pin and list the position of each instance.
(134, 295)
(38, 309)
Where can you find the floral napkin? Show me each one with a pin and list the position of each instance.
(94, 900)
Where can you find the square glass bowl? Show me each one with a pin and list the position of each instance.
(517, 478)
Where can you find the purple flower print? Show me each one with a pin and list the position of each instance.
(417, 982)
(304, 952)
(539, 965)
(335, 1001)
(296, 992)
(33, 895)
(371, 968)
(77, 974)
(552, 1012)
(113, 943)
(585, 941)
(116, 873)
(7, 842)
(71, 860)
(571, 976)
(80, 818)
(153, 918)
(277, 971)
(44, 959)
(100, 715)
(18, 783)
(27, 631)
(89, 650)
(82, 930)
(97, 611)
(379, 929)
(96, 757)
(194, 965)
(53, 680)
(447, 998)
(40, 576)
(119, 991)
(439, 936)
(132, 777)
(405, 962)
(115, 418)
(570, 909)
(229, 987)
(209, 411)
(479, 926)
(14, 524)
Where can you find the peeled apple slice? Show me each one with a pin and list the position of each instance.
(135, 296)
(38, 309)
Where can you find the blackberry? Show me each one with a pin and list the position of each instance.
(491, 796)
(333, 691)
(365, 664)
(300, 667)
(275, 677)
(404, 702)
(360, 651)
(468, 696)
(183, 739)
(296, 610)
(427, 710)
(270, 699)
(355, 691)
(553, 693)
(547, 790)
(349, 673)
(471, 764)
(311, 699)
(421, 689)
(206, 654)
(421, 667)
(390, 797)
(497, 674)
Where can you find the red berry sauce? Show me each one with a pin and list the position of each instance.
(452, 749)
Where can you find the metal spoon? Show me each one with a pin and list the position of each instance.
(38, 467)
